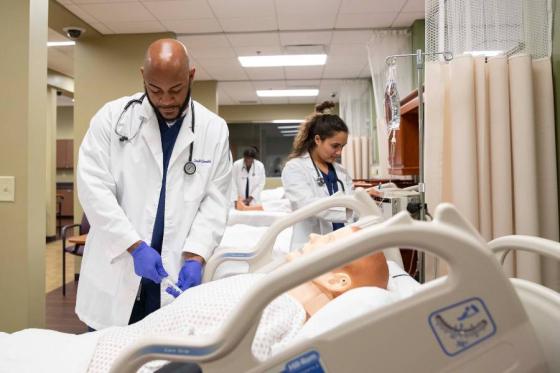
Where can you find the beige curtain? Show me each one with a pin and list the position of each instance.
(490, 150)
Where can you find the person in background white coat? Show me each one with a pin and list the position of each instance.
(313, 173)
(153, 177)
(248, 178)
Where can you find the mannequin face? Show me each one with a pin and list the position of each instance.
(370, 270)
(330, 149)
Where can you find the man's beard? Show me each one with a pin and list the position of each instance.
(181, 108)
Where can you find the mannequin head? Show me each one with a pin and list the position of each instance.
(370, 270)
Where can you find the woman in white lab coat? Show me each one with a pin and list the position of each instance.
(313, 173)
(248, 178)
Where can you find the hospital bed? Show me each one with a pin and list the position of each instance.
(473, 320)
(275, 207)
(260, 258)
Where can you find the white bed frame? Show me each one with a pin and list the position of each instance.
(409, 335)
(260, 258)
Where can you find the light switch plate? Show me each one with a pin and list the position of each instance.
(7, 188)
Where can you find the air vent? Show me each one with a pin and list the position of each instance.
(248, 102)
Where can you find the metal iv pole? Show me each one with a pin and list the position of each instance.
(420, 62)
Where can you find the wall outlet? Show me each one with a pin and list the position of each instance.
(7, 188)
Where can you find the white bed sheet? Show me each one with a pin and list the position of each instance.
(254, 218)
(46, 351)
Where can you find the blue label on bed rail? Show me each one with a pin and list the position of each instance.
(309, 362)
(462, 325)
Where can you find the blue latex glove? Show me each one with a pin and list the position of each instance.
(189, 276)
(147, 263)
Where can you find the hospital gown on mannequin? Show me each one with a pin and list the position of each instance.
(202, 311)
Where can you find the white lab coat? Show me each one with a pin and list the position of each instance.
(299, 178)
(119, 185)
(257, 179)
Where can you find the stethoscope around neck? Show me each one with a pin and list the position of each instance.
(189, 167)
(320, 180)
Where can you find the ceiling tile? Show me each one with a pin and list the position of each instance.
(252, 51)
(370, 6)
(299, 38)
(308, 21)
(248, 40)
(243, 8)
(225, 72)
(205, 41)
(205, 53)
(102, 28)
(314, 7)
(351, 37)
(179, 9)
(60, 61)
(414, 6)
(80, 13)
(304, 72)
(135, 27)
(273, 84)
(249, 24)
(64, 2)
(185, 26)
(374, 20)
(261, 73)
(201, 74)
(303, 83)
(355, 51)
(406, 19)
(118, 12)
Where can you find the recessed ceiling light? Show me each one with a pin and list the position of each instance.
(287, 121)
(60, 43)
(287, 92)
(283, 60)
(288, 127)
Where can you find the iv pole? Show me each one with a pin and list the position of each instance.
(420, 61)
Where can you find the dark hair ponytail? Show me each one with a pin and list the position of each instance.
(324, 125)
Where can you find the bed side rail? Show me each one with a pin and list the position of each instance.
(449, 236)
(262, 254)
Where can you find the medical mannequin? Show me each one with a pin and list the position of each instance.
(370, 270)
(200, 311)
(241, 206)
(312, 173)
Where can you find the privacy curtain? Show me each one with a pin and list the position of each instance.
(355, 100)
(490, 150)
(384, 43)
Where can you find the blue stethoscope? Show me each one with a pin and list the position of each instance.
(190, 167)
(320, 180)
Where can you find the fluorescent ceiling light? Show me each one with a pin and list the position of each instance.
(484, 53)
(287, 92)
(283, 60)
(289, 134)
(60, 43)
(287, 121)
(289, 131)
(287, 127)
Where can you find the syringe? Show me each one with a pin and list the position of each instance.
(166, 281)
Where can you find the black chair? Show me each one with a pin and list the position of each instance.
(59, 199)
(74, 249)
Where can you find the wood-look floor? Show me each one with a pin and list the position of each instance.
(59, 309)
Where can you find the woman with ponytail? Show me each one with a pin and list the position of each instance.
(313, 173)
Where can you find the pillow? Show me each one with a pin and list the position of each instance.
(347, 306)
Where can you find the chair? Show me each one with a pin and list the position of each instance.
(59, 199)
(74, 249)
